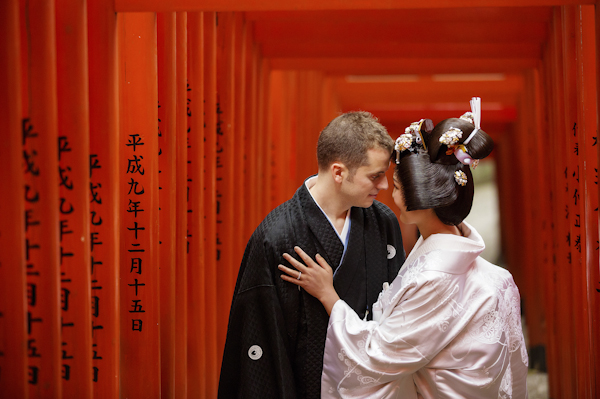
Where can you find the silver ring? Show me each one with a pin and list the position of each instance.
(299, 275)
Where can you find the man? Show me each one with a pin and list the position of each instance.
(276, 334)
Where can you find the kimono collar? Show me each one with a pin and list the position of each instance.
(458, 252)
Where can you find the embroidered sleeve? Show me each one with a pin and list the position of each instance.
(367, 355)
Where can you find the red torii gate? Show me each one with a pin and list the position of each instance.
(234, 109)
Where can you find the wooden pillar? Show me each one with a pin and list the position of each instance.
(239, 155)
(250, 145)
(585, 61)
(226, 152)
(277, 106)
(562, 191)
(40, 165)
(181, 299)
(531, 262)
(104, 217)
(13, 307)
(264, 144)
(578, 308)
(75, 190)
(167, 179)
(138, 170)
(211, 297)
(196, 262)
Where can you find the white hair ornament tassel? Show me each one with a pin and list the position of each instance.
(476, 111)
(461, 151)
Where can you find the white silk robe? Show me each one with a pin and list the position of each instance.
(448, 326)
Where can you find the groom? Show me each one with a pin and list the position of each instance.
(276, 334)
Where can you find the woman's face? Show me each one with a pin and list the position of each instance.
(399, 201)
(418, 216)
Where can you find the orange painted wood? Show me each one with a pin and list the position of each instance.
(585, 62)
(138, 170)
(278, 106)
(251, 137)
(266, 155)
(580, 349)
(104, 217)
(213, 352)
(545, 250)
(226, 153)
(553, 69)
(167, 89)
(308, 132)
(197, 266)
(314, 48)
(239, 238)
(530, 264)
(564, 325)
(595, 278)
(41, 194)
(435, 15)
(13, 294)
(247, 5)
(75, 190)
(394, 66)
(429, 91)
(181, 299)
(421, 31)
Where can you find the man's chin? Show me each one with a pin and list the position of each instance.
(367, 203)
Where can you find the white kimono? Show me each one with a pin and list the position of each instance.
(448, 326)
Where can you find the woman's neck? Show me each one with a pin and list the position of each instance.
(433, 225)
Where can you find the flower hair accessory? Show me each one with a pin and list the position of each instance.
(460, 177)
(412, 138)
(451, 136)
(403, 142)
(468, 116)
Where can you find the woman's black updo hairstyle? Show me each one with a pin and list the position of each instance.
(426, 173)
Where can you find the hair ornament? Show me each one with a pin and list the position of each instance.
(460, 177)
(403, 142)
(451, 136)
(412, 138)
(460, 152)
(468, 116)
(476, 115)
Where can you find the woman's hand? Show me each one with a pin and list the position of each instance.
(315, 278)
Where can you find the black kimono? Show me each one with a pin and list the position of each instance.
(276, 334)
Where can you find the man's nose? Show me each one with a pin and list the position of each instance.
(383, 184)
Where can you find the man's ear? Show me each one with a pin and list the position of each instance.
(338, 171)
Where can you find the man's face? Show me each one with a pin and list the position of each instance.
(361, 188)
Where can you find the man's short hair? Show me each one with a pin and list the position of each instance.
(348, 137)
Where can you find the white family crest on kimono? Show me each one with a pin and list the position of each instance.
(448, 326)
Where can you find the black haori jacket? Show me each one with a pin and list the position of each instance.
(276, 334)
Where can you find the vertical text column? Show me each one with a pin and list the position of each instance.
(73, 158)
(41, 192)
(103, 197)
(138, 170)
(588, 166)
(181, 300)
(225, 167)
(213, 355)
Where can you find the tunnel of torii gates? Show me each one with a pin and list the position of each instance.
(144, 140)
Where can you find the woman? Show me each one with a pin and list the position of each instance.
(449, 325)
